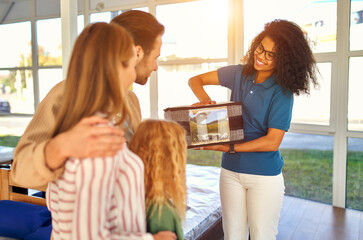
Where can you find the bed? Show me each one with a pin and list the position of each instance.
(203, 217)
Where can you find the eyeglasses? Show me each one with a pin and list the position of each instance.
(270, 56)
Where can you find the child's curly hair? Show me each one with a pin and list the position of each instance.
(295, 65)
(162, 147)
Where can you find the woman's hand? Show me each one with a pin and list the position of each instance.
(203, 103)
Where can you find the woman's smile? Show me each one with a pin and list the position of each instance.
(259, 62)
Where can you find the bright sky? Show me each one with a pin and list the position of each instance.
(14, 41)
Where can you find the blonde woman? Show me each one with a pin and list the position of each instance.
(162, 147)
(101, 197)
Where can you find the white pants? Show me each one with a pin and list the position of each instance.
(251, 202)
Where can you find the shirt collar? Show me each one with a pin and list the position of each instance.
(269, 82)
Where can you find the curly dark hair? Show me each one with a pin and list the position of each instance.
(294, 64)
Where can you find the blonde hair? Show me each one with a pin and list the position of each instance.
(93, 84)
(162, 147)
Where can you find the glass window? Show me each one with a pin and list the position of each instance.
(108, 16)
(13, 126)
(356, 25)
(115, 3)
(315, 109)
(144, 9)
(317, 18)
(49, 42)
(80, 23)
(48, 78)
(204, 158)
(194, 29)
(355, 173)
(16, 93)
(15, 45)
(100, 17)
(308, 169)
(174, 89)
(355, 99)
(143, 94)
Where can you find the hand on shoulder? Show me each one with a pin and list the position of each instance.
(90, 137)
(165, 235)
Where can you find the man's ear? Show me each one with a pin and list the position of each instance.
(139, 53)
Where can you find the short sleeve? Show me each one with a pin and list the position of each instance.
(166, 220)
(281, 111)
(228, 75)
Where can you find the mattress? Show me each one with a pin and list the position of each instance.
(203, 200)
(6, 154)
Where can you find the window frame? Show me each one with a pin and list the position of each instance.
(338, 123)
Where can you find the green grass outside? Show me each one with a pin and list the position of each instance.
(205, 158)
(308, 173)
(9, 141)
(355, 180)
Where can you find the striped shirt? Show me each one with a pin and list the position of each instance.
(99, 198)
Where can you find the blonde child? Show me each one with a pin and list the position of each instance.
(101, 197)
(162, 147)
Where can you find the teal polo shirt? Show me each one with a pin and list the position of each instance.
(264, 105)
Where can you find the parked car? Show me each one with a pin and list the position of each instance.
(4, 106)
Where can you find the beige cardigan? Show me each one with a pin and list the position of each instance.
(29, 167)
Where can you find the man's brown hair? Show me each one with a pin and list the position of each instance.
(143, 27)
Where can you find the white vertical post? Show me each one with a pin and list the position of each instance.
(69, 11)
(154, 96)
(235, 31)
(86, 9)
(154, 89)
(235, 34)
(34, 50)
(340, 138)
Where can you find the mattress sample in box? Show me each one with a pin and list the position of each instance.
(209, 124)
